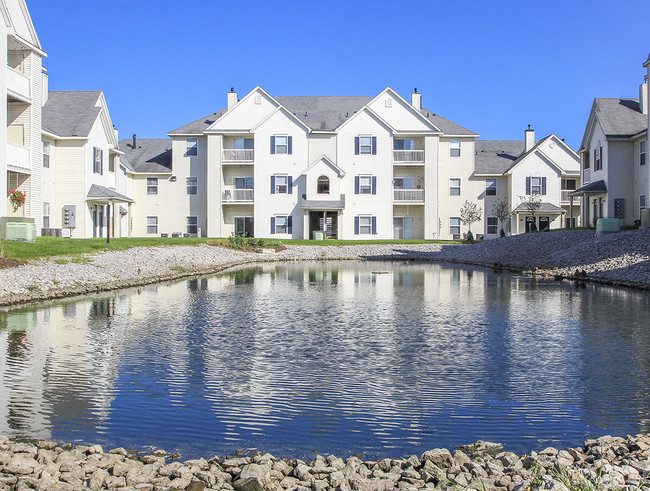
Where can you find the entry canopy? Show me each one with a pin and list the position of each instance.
(596, 187)
(543, 208)
(306, 204)
(103, 194)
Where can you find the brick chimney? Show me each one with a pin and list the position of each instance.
(529, 138)
(416, 99)
(232, 98)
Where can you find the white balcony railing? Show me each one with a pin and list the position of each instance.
(565, 196)
(237, 195)
(18, 83)
(238, 155)
(18, 156)
(408, 155)
(409, 195)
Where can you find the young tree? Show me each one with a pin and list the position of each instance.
(470, 213)
(501, 210)
(532, 203)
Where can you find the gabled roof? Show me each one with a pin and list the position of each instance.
(447, 127)
(200, 125)
(323, 113)
(543, 208)
(16, 15)
(596, 187)
(71, 112)
(496, 157)
(102, 193)
(150, 155)
(620, 117)
(327, 161)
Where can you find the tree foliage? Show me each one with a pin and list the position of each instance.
(501, 210)
(532, 203)
(470, 213)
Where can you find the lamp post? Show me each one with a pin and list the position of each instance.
(108, 222)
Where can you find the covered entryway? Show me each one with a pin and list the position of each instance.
(105, 215)
(543, 219)
(326, 221)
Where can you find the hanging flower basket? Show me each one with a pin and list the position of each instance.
(17, 198)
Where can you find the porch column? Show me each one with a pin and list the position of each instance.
(570, 210)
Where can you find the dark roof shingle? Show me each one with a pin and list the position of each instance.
(150, 155)
(70, 112)
(496, 156)
(620, 117)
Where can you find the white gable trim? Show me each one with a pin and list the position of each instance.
(591, 125)
(409, 108)
(324, 158)
(106, 121)
(373, 114)
(283, 109)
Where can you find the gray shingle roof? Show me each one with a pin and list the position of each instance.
(543, 208)
(150, 155)
(592, 187)
(323, 113)
(102, 193)
(200, 125)
(306, 204)
(70, 112)
(497, 156)
(621, 117)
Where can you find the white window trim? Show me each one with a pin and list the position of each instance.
(191, 147)
(155, 231)
(361, 145)
(533, 186)
(496, 189)
(286, 183)
(195, 223)
(642, 152)
(188, 185)
(453, 225)
(487, 226)
(47, 152)
(152, 186)
(285, 144)
(454, 145)
(286, 224)
(369, 225)
(361, 187)
(451, 186)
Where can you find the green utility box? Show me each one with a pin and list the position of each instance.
(604, 225)
(17, 228)
(319, 235)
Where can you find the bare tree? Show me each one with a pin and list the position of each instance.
(501, 210)
(470, 213)
(532, 203)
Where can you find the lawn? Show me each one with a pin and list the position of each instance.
(57, 246)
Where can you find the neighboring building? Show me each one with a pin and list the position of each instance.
(23, 84)
(614, 158)
(353, 167)
(516, 170)
(87, 182)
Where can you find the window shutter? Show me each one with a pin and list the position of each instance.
(272, 225)
(356, 225)
(356, 184)
(289, 223)
(290, 145)
(528, 185)
(101, 162)
(543, 185)
(374, 145)
(272, 144)
(374, 225)
(356, 145)
(290, 184)
(374, 184)
(272, 184)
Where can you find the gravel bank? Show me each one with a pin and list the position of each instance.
(605, 463)
(620, 259)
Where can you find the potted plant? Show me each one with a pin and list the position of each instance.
(17, 198)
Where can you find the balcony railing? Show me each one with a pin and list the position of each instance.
(18, 156)
(18, 83)
(237, 195)
(238, 155)
(565, 196)
(408, 155)
(409, 195)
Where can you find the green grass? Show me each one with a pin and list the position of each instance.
(337, 242)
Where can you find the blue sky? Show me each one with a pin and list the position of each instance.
(493, 67)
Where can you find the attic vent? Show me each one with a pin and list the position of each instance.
(305, 113)
(389, 102)
(347, 115)
(258, 99)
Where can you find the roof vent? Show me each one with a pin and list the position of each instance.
(305, 113)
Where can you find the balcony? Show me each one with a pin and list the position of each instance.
(18, 158)
(408, 195)
(408, 156)
(238, 155)
(18, 85)
(237, 196)
(565, 198)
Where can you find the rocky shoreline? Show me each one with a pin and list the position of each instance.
(621, 259)
(603, 463)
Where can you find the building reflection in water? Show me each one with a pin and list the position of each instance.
(379, 358)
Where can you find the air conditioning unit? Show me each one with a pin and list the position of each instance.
(25, 232)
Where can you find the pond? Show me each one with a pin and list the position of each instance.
(383, 359)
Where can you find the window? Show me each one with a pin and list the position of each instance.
(598, 158)
(404, 183)
(192, 225)
(403, 144)
(365, 185)
(244, 183)
(281, 184)
(535, 185)
(568, 184)
(281, 224)
(152, 185)
(98, 160)
(454, 148)
(490, 187)
(281, 144)
(642, 203)
(46, 215)
(454, 187)
(365, 145)
(46, 155)
(365, 225)
(111, 163)
(243, 143)
(454, 225)
(492, 225)
(192, 147)
(192, 185)
(585, 160)
(642, 145)
(323, 185)
(152, 225)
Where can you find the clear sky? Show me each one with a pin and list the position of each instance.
(491, 66)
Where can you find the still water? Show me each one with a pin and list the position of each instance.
(333, 358)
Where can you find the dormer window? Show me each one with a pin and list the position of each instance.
(323, 185)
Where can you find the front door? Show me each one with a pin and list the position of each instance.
(544, 223)
(531, 224)
(244, 226)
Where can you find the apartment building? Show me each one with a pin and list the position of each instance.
(613, 152)
(23, 84)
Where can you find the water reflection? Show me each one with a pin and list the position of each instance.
(384, 359)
